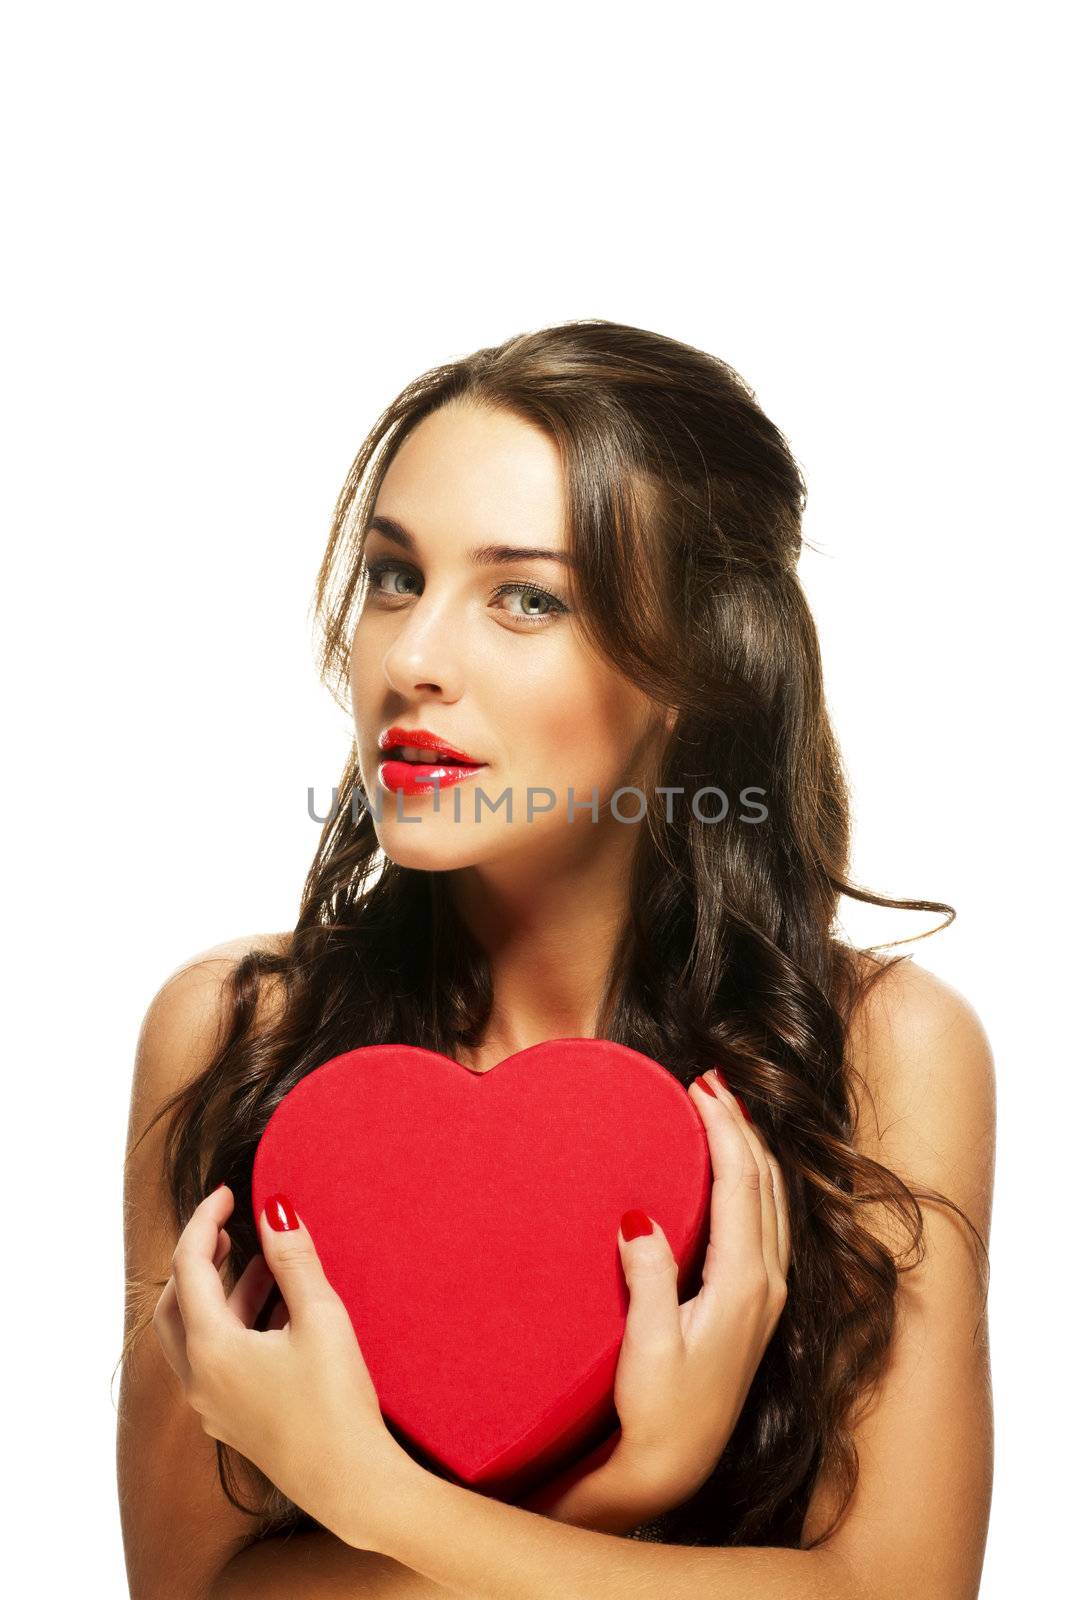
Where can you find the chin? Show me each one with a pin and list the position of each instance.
(424, 848)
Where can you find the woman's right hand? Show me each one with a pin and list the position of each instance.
(684, 1370)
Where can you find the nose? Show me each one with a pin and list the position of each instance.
(425, 652)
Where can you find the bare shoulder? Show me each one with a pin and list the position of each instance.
(912, 1025)
(179, 1527)
(190, 997)
(213, 965)
(187, 1016)
(184, 1025)
(924, 1072)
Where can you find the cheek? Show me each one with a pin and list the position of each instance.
(575, 727)
(547, 721)
(365, 679)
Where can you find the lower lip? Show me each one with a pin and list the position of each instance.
(414, 777)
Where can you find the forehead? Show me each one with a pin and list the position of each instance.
(480, 476)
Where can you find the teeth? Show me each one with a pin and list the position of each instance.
(409, 752)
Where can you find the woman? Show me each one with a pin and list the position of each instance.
(572, 559)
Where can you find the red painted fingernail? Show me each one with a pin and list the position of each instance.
(745, 1112)
(702, 1083)
(634, 1223)
(280, 1213)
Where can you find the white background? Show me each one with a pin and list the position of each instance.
(234, 232)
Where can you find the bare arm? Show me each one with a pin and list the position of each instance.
(614, 1567)
(485, 1550)
(917, 1522)
(316, 1565)
(179, 1530)
(183, 1539)
(921, 1508)
(587, 1495)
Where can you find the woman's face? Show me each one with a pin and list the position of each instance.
(480, 649)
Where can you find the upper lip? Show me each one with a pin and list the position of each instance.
(422, 739)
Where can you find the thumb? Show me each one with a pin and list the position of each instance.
(290, 1253)
(651, 1277)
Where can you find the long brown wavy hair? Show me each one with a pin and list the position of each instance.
(684, 506)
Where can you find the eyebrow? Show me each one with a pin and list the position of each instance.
(486, 555)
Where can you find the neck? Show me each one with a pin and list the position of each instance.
(550, 929)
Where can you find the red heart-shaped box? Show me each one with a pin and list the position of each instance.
(468, 1220)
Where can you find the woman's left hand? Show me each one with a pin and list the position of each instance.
(684, 1371)
(296, 1398)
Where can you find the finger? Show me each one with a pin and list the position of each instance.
(170, 1331)
(781, 1206)
(290, 1253)
(249, 1294)
(651, 1271)
(734, 1101)
(201, 1296)
(736, 1225)
(222, 1249)
(768, 1209)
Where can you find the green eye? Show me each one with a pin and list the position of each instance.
(552, 604)
(376, 570)
(549, 605)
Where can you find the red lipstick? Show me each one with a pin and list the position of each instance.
(397, 738)
(444, 764)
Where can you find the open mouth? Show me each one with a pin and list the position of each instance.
(416, 756)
